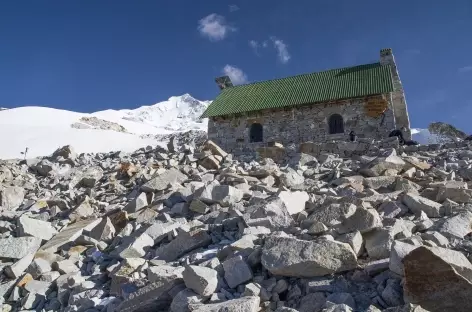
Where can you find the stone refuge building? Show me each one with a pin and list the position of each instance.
(317, 107)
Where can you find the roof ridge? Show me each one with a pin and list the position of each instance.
(300, 75)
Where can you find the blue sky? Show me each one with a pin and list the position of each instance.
(91, 55)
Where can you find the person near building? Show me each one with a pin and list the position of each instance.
(352, 136)
(399, 134)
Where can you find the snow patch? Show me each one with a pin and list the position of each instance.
(44, 129)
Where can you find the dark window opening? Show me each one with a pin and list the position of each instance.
(336, 124)
(255, 133)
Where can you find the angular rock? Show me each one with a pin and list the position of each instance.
(215, 149)
(398, 252)
(69, 234)
(438, 279)
(90, 177)
(244, 304)
(83, 210)
(457, 226)
(355, 240)
(380, 164)
(313, 302)
(11, 197)
(220, 194)
(271, 213)
(66, 152)
(184, 299)
(392, 209)
(293, 257)
(103, 231)
(202, 280)
(333, 213)
(159, 230)
(378, 243)
(418, 203)
(237, 271)
(210, 163)
(291, 178)
(39, 267)
(164, 180)
(165, 273)
(376, 183)
(183, 243)
(44, 167)
(17, 269)
(65, 266)
(198, 206)
(134, 247)
(37, 228)
(17, 248)
(152, 297)
(137, 204)
(363, 220)
(294, 201)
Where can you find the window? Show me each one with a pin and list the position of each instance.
(336, 124)
(255, 133)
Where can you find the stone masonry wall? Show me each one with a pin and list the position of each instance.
(299, 124)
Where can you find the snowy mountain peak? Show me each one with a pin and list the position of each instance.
(44, 129)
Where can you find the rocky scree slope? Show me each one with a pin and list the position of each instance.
(183, 229)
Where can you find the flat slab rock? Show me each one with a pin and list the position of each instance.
(288, 256)
(245, 304)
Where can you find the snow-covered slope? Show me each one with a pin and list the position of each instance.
(43, 129)
(423, 136)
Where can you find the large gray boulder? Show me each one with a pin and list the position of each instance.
(438, 279)
(288, 256)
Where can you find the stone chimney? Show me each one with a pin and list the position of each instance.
(398, 96)
(223, 82)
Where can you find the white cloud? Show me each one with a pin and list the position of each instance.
(233, 8)
(236, 75)
(465, 69)
(282, 50)
(214, 27)
(265, 44)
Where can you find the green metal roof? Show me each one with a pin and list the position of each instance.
(335, 84)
